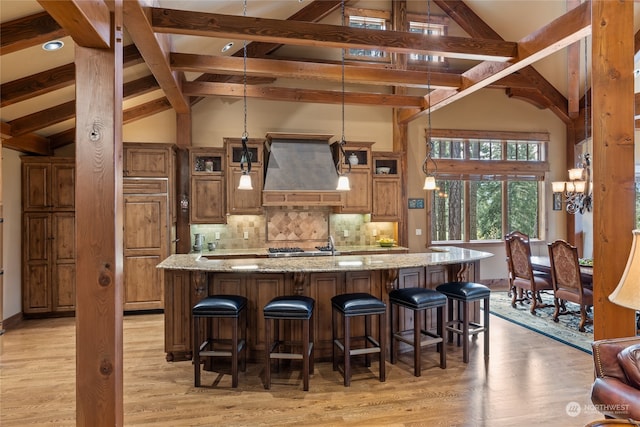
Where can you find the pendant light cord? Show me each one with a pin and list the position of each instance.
(246, 155)
(429, 145)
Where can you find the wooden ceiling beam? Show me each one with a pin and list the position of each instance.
(557, 35)
(87, 22)
(310, 70)
(53, 79)
(29, 31)
(31, 143)
(324, 35)
(467, 19)
(300, 95)
(155, 51)
(145, 110)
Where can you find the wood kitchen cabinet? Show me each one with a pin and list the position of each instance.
(358, 155)
(207, 186)
(244, 202)
(48, 229)
(149, 215)
(387, 187)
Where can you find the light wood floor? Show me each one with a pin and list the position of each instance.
(528, 381)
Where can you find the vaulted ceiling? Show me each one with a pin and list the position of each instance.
(173, 58)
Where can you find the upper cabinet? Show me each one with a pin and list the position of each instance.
(244, 202)
(207, 168)
(148, 160)
(357, 158)
(48, 183)
(387, 187)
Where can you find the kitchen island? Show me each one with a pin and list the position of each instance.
(191, 277)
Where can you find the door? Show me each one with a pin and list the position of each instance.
(63, 262)
(36, 289)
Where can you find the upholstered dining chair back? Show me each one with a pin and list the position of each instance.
(565, 268)
(519, 254)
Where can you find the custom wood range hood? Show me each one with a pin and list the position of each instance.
(300, 170)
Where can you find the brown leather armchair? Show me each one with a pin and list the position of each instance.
(616, 389)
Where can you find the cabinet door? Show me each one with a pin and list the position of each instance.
(322, 287)
(36, 186)
(358, 199)
(63, 265)
(386, 199)
(207, 200)
(63, 184)
(244, 201)
(262, 288)
(147, 161)
(36, 280)
(145, 246)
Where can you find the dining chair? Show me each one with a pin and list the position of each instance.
(525, 286)
(567, 282)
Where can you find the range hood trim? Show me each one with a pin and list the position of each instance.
(282, 189)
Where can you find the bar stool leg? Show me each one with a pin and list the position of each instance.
(417, 337)
(382, 322)
(196, 351)
(243, 366)
(392, 343)
(312, 340)
(267, 350)
(334, 328)
(486, 327)
(465, 333)
(450, 319)
(347, 351)
(234, 353)
(367, 334)
(305, 354)
(441, 328)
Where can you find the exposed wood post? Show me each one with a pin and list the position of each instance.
(400, 23)
(613, 159)
(183, 138)
(99, 231)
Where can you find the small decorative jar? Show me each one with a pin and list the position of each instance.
(353, 159)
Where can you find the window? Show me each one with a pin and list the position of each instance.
(430, 29)
(381, 20)
(489, 186)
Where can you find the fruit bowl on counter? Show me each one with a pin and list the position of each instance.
(386, 243)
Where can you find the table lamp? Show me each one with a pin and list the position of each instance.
(627, 293)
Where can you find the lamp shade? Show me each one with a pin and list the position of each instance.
(580, 186)
(627, 293)
(557, 186)
(429, 183)
(575, 174)
(343, 183)
(245, 182)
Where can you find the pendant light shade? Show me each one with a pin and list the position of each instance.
(343, 183)
(245, 182)
(429, 183)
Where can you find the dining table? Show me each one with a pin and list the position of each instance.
(543, 264)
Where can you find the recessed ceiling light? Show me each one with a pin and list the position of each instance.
(53, 45)
(227, 47)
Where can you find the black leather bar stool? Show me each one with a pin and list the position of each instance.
(418, 300)
(218, 307)
(294, 307)
(458, 322)
(354, 305)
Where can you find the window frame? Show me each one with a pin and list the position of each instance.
(504, 170)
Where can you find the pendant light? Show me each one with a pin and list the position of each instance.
(343, 179)
(245, 178)
(430, 179)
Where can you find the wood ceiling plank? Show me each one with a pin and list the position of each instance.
(87, 22)
(554, 36)
(299, 95)
(43, 118)
(145, 110)
(310, 70)
(336, 36)
(477, 28)
(155, 51)
(32, 30)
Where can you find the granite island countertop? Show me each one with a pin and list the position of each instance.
(264, 252)
(202, 262)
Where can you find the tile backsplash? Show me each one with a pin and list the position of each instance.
(295, 226)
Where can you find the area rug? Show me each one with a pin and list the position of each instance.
(565, 331)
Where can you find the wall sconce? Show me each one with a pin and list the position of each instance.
(577, 191)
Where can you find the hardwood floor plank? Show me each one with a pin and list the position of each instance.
(529, 379)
